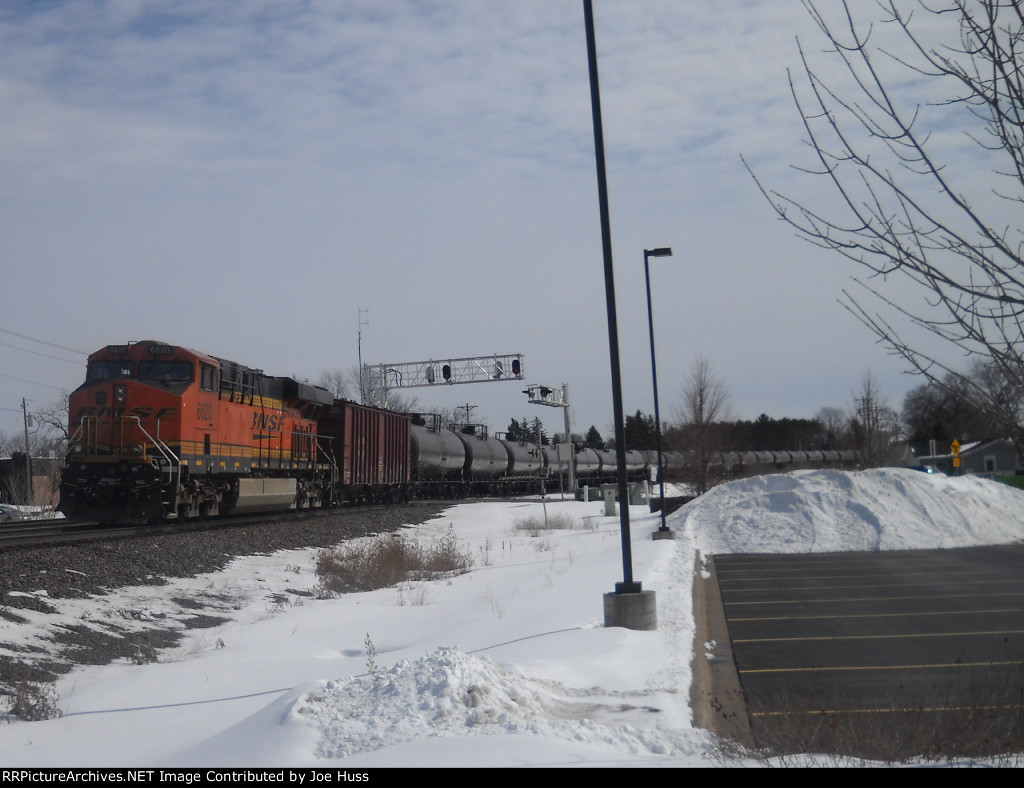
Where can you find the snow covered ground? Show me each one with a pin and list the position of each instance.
(508, 665)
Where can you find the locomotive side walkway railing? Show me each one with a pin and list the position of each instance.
(173, 468)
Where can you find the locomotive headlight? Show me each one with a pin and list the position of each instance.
(120, 394)
(76, 448)
(137, 449)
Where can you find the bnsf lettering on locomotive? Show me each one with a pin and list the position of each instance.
(265, 421)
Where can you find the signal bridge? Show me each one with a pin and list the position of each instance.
(474, 369)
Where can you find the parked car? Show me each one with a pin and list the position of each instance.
(8, 514)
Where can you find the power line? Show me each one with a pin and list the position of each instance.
(38, 353)
(43, 342)
(31, 382)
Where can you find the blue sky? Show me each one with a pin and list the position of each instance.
(242, 178)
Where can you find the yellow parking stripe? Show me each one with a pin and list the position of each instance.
(864, 599)
(882, 637)
(896, 710)
(855, 668)
(908, 614)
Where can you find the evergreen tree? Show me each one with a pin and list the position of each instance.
(640, 432)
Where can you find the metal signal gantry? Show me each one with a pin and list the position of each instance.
(556, 397)
(475, 369)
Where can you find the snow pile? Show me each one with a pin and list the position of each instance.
(449, 693)
(831, 511)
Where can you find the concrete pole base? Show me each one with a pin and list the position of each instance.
(631, 610)
(663, 533)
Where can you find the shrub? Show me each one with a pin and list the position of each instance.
(556, 522)
(33, 702)
(388, 561)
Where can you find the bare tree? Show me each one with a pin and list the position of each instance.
(701, 428)
(915, 203)
(337, 382)
(53, 424)
(47, 431)
(348, 384)
(931, 412)
(875, 426)
(9, 443)
(835, 424)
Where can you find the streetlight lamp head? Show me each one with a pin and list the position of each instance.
(663, 251)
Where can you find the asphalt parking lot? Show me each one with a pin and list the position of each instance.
(862, 652)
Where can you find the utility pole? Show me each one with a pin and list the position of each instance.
(362, 376)
(28, 457)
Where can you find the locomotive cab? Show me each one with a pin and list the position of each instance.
(119, 463)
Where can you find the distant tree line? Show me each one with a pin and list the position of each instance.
(702, 428)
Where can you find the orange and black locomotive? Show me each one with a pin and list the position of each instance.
(163, 432)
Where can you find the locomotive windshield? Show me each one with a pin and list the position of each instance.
(108, 370)
(166, 371)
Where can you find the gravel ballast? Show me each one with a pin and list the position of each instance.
(33, 581)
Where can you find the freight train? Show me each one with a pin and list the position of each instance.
(159, 432)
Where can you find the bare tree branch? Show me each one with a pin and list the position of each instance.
(910, 208)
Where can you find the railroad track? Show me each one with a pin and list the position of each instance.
(25, 532)
(62, 531)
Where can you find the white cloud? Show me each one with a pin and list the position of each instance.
(191, 168)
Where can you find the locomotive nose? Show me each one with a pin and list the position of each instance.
(117, 394)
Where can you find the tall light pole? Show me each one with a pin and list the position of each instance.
(663, 251)
(629, 606)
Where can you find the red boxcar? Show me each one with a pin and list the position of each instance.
(372, 450)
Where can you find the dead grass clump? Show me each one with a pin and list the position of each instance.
(33, 701)
(535, 524)
(389, 561)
